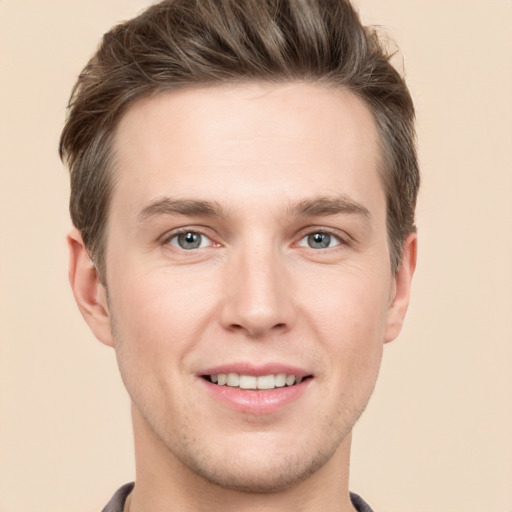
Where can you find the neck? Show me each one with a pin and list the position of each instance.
(164, 483)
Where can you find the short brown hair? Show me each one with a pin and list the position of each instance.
(184, 43)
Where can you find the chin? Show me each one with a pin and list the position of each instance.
(261, 463)
(263, 477)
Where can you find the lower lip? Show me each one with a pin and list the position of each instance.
(256, 401)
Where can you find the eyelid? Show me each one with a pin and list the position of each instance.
(169, 235)
(343, 237)
(306, 237)
(304, 242)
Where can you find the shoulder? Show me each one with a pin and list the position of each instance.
(116, 503)
(359, 503)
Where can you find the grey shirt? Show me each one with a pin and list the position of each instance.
(116, 504)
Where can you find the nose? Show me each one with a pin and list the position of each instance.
(258, 297)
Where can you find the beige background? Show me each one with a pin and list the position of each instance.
(437, 436)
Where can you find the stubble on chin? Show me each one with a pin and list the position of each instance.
(176, 441)
(261, 474)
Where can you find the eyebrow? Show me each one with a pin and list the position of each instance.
(168, 206)
(321, 206)
(329, 206)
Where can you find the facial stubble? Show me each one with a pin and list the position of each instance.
(278, 474)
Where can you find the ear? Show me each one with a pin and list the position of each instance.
(401, 289)
(90, 294)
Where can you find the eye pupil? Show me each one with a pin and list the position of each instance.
(189, 240)
(319, 240)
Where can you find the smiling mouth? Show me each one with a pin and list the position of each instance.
(252, 382)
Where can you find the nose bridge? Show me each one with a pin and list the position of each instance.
(258, 297)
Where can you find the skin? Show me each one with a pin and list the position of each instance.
(255, 292)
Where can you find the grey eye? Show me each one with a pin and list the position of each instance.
(319, 240)
(189, 240)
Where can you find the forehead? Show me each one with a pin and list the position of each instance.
(205, 142)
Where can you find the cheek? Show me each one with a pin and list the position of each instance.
(350, 302)
(158, 315)
(155, 325)
(350, 318)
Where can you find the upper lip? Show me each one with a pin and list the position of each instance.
(245, 368)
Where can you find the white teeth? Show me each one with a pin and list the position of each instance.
(266, 382)
(247, 382)
(280, 380)
(290, 380)
(251, 382)
(233, 380)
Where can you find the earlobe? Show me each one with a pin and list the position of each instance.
(402, 289)
(90, 294)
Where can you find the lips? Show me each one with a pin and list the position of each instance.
(256, 389)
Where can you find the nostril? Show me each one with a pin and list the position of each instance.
(256, 330)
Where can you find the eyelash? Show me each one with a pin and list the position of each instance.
(175, 234)
(303, 240)
(308, 238)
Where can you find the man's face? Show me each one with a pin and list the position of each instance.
(247, 236)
